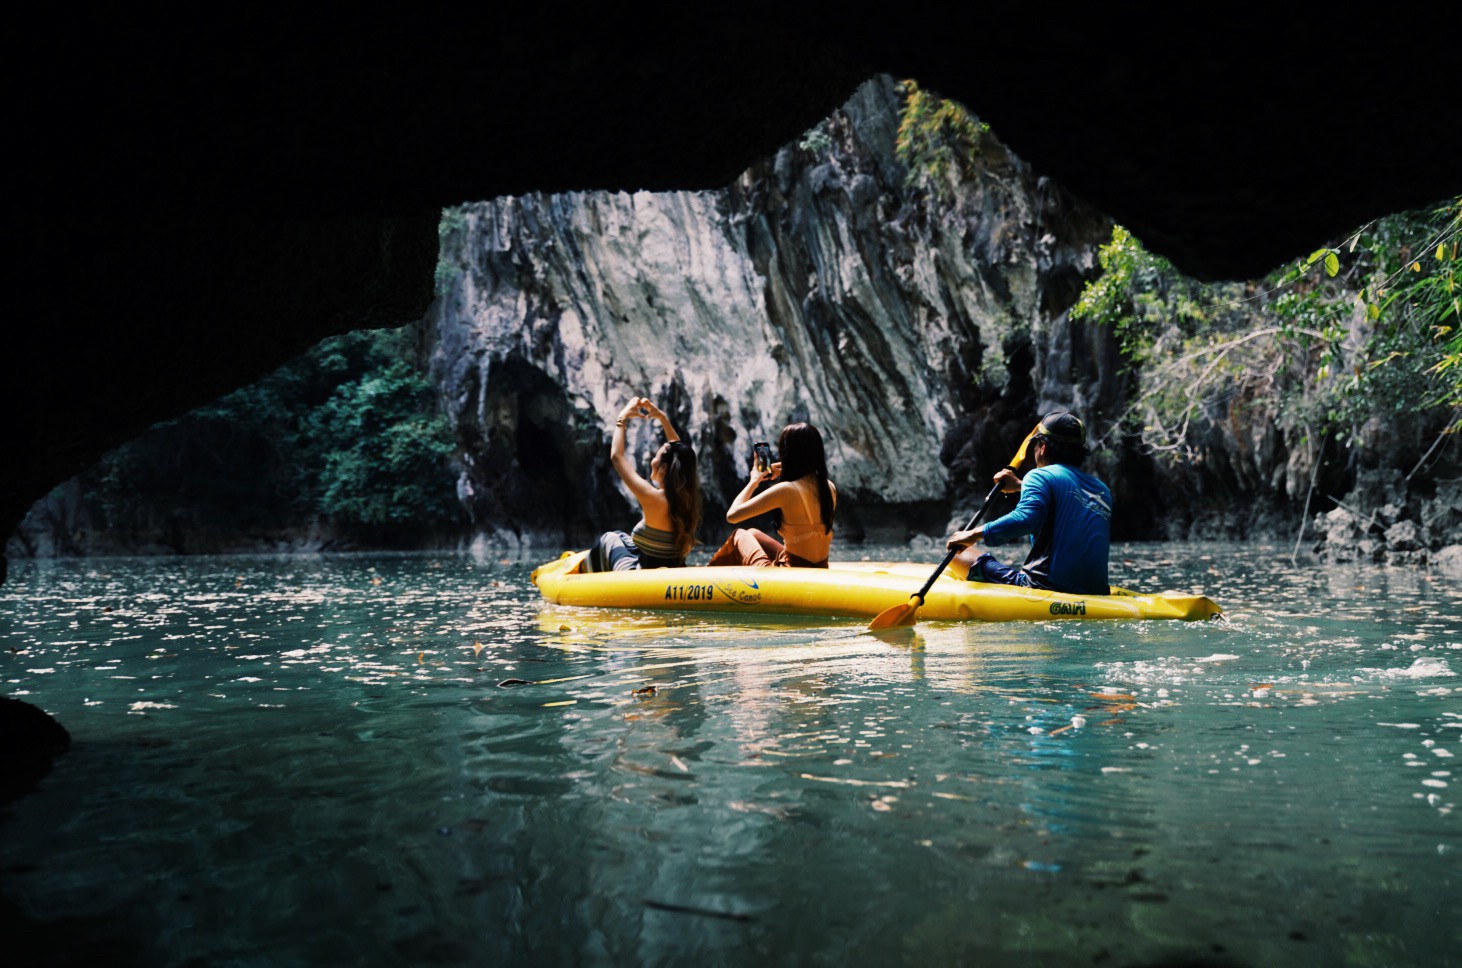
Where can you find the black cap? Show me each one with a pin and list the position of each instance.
(1063, 427)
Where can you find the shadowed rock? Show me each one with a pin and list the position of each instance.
(31, 742)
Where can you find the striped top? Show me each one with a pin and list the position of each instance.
(658, 549)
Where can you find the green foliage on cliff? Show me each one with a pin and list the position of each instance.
(1385, 306)
(1362, 330)
(385, 450)
(1414, 296)
(1141, 296)
(349, 433)
(816, 140)
(937, 139)
(449, 237)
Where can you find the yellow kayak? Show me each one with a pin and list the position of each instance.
(847, 588)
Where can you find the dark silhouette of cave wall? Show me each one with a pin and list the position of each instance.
(194, 201)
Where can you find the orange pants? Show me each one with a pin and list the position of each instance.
(750, 546)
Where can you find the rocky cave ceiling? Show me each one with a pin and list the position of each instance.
(197, 201)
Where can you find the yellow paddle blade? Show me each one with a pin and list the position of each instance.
(899, 616)
(1020, 455)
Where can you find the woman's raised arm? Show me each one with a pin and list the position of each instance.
(657, 414)
(618, 459)
(749, 504)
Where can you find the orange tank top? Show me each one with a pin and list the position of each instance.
(807, 541)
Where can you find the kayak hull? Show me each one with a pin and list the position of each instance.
(846, 589)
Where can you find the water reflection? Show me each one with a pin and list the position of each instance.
(380, 759)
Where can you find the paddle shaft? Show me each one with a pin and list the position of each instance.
(954, 551)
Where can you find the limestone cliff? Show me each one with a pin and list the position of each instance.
(920, 318)
(918, 337)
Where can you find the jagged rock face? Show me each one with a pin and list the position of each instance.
(1395, 522)
(817, 287)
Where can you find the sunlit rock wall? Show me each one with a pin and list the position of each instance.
(817, 287)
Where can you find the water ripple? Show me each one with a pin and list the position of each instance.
(404, 754)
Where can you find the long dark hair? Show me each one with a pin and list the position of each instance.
(801, 452)
(682, 486)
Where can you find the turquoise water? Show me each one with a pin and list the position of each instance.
(317, 760)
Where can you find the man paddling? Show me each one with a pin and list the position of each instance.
(1067, 510)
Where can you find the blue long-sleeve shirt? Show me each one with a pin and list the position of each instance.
(1069, 512)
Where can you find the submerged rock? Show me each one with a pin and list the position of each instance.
(30, 741)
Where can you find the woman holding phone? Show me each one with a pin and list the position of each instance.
(802, 503)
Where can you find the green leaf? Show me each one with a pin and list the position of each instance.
(1373, 312)
(1316, 256)
(1332, 264)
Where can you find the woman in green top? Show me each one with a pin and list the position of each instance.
(670, 501)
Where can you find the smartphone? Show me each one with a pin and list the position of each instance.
(763, 452)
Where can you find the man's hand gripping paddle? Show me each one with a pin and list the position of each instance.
(903, 616)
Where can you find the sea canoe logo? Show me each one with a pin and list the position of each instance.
(1068, 608)
(743, 592)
